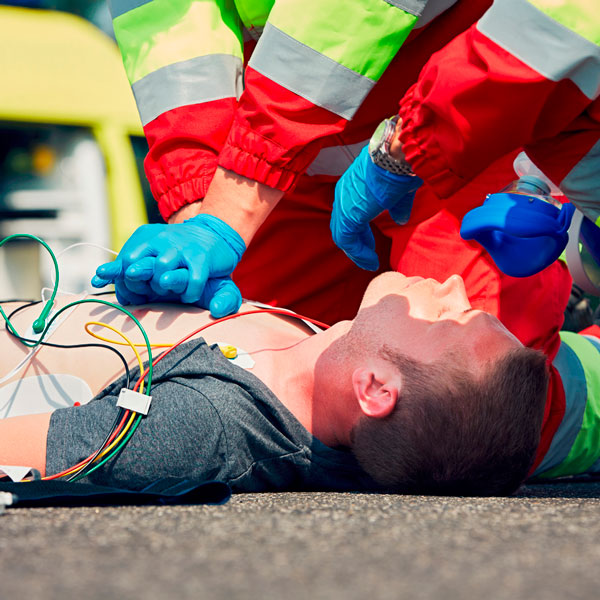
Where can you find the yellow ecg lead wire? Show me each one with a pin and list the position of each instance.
(228, 350)
(118, 438)
(127, 342)
(106, 450)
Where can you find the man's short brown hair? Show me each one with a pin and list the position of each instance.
(453, 434)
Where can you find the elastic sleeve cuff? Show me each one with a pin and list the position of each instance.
(421, 149)
(171, 198)
(183, 147)
(251, 155)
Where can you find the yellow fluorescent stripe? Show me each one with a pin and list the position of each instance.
(363, 36)
(254, 13)
(155, 35)
(580, 16)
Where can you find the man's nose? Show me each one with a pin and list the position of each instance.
(454, 293)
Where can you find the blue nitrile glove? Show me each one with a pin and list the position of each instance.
(363, 192)
(187, 262)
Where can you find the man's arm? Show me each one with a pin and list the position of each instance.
(23, 441)
(282, 118)
(241, 202)
(286, 112)
(184, 62)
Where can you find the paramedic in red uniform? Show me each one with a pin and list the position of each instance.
(526, 75)
(315, 87)
(271, 154)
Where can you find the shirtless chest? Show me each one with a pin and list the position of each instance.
(164, 325)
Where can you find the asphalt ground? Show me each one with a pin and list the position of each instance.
(544, 543)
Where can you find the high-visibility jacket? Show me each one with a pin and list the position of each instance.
(574, 446)
(312, 66)
(527, 74)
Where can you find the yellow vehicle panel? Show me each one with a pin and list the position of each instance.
(59, 68)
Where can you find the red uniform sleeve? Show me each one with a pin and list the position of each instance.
(184, 144)
(475, 102)
(276, 133)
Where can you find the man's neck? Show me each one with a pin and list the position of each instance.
(312, 387)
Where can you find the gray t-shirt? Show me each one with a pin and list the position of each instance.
(209, 420)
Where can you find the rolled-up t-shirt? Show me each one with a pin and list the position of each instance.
(209, 420)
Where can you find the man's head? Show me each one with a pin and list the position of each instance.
(450, 401)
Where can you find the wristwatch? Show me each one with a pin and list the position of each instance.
(379, 148)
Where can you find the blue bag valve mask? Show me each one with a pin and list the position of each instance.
(522, 226)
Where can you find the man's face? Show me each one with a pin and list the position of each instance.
(424, 319)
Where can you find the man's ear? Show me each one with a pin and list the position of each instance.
(376, 393)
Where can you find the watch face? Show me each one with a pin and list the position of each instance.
(377, 138)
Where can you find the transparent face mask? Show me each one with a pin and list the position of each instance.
(583, 253)
(530, 185)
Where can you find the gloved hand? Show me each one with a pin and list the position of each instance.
(363, 192)
(187, 262)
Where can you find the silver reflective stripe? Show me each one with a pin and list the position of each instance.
(309, 73)
(193, 81)
(433, 9)
(573, 378)
(412, 7)
(120, 7)
(253, 33)
(582, 185)
(543, 44)
(594, 341)
(335, 159)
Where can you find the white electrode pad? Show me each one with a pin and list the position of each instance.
(41, 394)
(241, 359)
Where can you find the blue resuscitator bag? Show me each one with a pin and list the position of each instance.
(523, 227)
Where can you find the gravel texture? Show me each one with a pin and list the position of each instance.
(543, 543)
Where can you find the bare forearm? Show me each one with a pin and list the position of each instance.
(396, 145)
(23, 441)
(242, 203)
